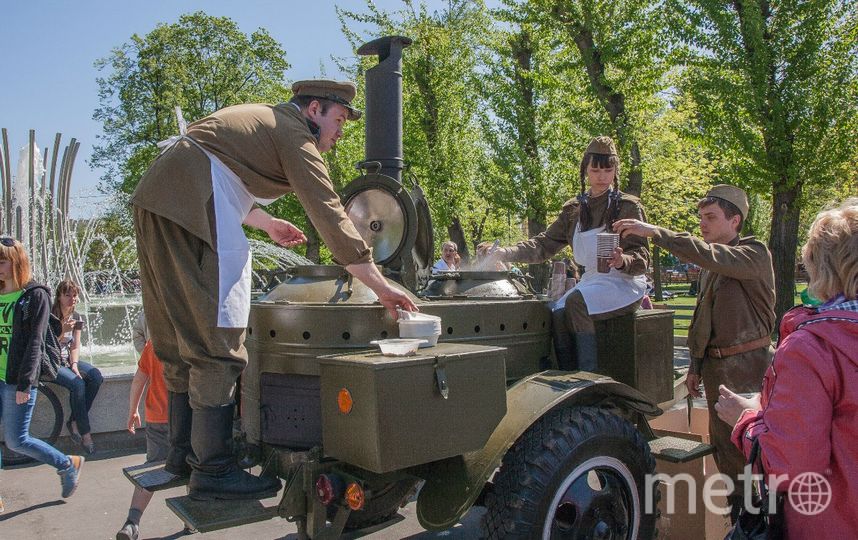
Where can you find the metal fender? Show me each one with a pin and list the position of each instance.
(452, 485)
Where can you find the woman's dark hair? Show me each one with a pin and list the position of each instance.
(63, 287)
(601, 161)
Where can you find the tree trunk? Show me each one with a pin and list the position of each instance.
(612, 100)
(313, 243)
(635, 173)
(656, 273)
(541, 272)
(457, 235)
(784, 243)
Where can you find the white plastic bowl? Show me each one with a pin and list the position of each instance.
(422, 326)
(398, 346)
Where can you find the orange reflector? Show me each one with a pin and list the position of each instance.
(344, 401)
(354, 496)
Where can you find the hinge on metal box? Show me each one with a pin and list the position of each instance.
(441, 380)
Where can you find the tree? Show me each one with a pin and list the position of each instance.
(524, 123)
(620, 47)
(776, 95)
(442, 141)
(200, 63)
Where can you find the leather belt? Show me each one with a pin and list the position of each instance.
(723, 352)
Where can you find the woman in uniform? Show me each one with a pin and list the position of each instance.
(598, 295)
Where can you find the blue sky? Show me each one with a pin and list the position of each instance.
(49, 47)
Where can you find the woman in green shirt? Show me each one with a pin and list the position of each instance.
(25, 308)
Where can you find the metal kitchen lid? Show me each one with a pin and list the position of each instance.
(384, 215)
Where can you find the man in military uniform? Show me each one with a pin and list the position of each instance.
(729, 336)
(195, 259)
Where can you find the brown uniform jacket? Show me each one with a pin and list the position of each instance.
(273, 152)
(559, 234)
(736, 295)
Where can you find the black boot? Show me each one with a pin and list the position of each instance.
(585, 347)
(564, 348)
(180, 418)
(215, 472)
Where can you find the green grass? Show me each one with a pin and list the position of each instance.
(681, 300)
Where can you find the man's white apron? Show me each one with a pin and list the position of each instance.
(232, 203)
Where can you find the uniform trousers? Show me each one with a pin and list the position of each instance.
(179, 275)
(742, 373)
(579, 320)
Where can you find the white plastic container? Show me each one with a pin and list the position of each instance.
(398, 346)
(421, 326)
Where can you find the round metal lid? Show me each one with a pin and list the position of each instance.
(384, 215)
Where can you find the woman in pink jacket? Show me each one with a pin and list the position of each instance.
(807, 418)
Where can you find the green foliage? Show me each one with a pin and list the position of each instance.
(526, 133)
(775, 87)
(442, 142)
(677, 167)
(200, 63)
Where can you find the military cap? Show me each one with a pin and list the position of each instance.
(341, 92)
(733, 195)
(602, 145)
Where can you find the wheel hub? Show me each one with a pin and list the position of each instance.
(596, 505)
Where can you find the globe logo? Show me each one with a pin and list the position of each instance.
(809, 493)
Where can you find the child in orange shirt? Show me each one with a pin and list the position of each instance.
(149, 371)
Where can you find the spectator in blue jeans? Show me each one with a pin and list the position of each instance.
(25, 308)
(80, 378)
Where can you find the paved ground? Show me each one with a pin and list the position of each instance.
(34, 509)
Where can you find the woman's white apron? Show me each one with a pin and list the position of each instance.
(602, 292)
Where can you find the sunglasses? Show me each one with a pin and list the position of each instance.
(7, 241)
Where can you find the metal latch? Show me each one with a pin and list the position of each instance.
(441, 380)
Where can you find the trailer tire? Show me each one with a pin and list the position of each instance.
(381, 505)
(570, 466)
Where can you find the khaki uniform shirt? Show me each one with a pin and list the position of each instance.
(736, 296)
(273, 152)
(559, 234)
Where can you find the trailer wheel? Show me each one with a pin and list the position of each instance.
(576, 473)
(381, 504)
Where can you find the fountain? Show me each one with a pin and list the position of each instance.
(36, 204)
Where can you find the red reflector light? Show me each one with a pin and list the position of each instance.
(325, 489)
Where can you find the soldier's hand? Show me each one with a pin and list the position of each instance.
(625, 227)
(392, 298)
(730, 405)
(284, 233)
(483, 248)
(617, 259)
(692, 382)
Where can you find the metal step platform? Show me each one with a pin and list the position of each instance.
(207, 516)
(153, 477)
(679, 450)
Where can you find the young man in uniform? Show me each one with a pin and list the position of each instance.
(729, 338)
(195, 260)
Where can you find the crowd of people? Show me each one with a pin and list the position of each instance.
(196, 298)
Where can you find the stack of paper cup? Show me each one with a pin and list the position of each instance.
(557, 285)
(420, 325)
(606, 243)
